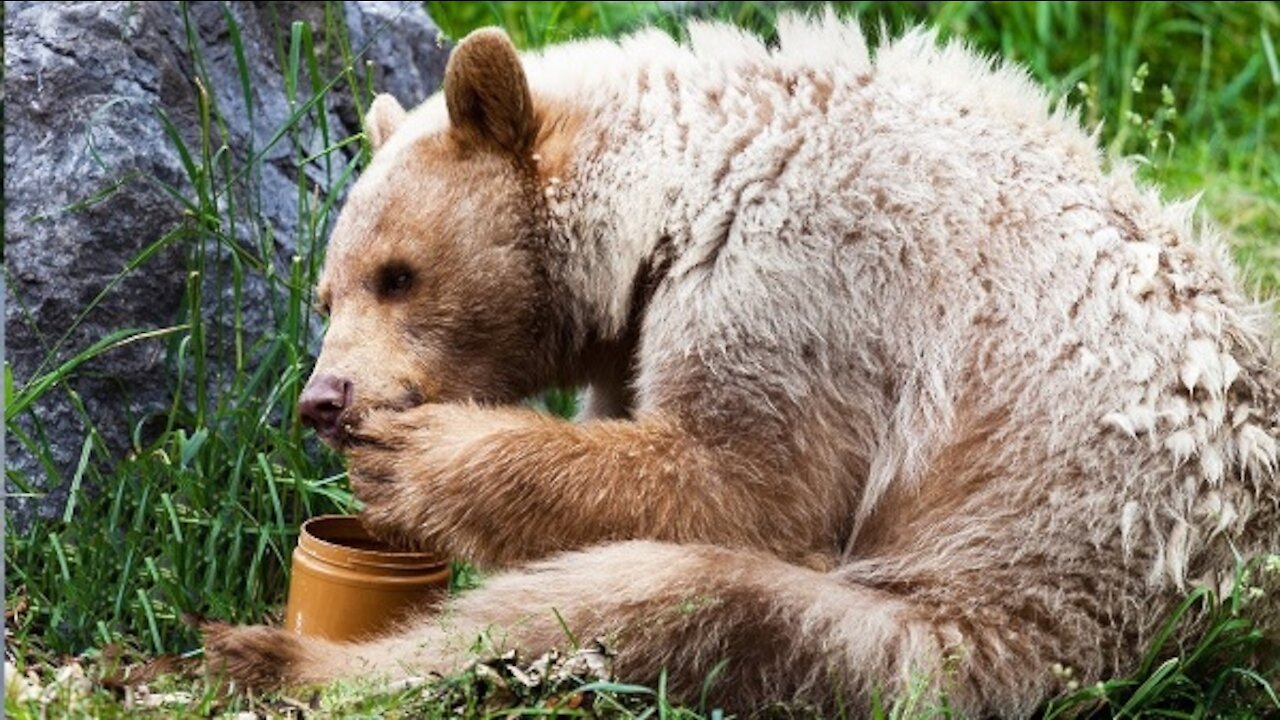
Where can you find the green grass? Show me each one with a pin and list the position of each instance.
(201, 519)
(201, 515)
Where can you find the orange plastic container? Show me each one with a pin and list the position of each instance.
(348, 586)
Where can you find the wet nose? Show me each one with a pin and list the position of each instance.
(322, 402)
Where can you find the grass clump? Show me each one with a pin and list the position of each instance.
(1230, 669)
(201, 515)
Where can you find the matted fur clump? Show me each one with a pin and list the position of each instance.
(887, 377)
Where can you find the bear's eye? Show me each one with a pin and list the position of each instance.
(394, 280)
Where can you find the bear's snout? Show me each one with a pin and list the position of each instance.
(323, 401)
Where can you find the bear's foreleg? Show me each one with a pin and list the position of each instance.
(502, 485)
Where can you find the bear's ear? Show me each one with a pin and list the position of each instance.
(384, 116)
(487, 94)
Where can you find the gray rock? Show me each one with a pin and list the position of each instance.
(417, 42)
(86, 161)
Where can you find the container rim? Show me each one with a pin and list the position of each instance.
(323, 535)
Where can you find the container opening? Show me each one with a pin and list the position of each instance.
(347, 532)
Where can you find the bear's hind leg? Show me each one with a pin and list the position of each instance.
(786, 632)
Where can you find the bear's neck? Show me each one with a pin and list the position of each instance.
(612, 195)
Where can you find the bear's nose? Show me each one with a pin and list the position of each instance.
(322, 402)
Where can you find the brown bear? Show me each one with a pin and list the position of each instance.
(887, 378)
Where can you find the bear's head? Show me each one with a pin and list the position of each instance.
(435, 283)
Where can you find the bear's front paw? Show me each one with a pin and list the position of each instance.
(383, 431)
(387, 446)
(388, 465)
(390, 512)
